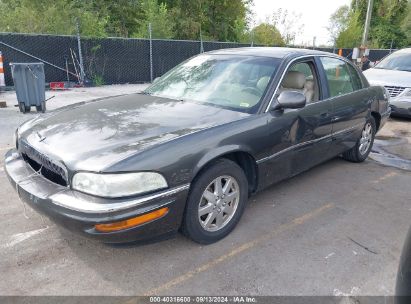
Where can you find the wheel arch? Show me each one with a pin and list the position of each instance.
(377, 118)
(377, 104)
(242, 157)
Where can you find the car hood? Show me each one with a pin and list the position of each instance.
(92, 136)
(388, 77)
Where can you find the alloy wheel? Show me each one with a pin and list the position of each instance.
(366, 138)
(218, 203)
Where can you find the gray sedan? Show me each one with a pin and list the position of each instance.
(186, 153)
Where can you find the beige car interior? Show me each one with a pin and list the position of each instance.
(262, 83)
(297, 81)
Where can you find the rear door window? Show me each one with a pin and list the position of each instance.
(356, 80)
(339, 78)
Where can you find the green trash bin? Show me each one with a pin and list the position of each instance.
(30, 85)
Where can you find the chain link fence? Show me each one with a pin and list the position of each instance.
(109, 60)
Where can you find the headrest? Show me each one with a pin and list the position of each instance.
(263, 82)
(294, 80)
(309, 85)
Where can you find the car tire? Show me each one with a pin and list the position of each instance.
(224, 209)
(362, 148)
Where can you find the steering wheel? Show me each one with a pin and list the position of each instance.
(252, 90)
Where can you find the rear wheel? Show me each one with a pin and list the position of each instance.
(362, 148)
(216, 202)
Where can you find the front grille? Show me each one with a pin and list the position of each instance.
(394, 91)
(49, 169)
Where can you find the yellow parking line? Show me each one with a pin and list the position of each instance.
(384, 177)
(246, 246)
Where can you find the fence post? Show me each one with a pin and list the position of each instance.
(151, 52)
(80, 55)
(201, 42)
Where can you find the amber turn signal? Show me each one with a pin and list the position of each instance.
(132, 222)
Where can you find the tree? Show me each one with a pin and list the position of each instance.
(157, 15)
(121, 15)
(385, 28)
(338, 22)
(289, 25)
(217, 19)
(187, 17)
(388, 29)
(223, 20)
(49, 17)
(406, 25)
(268, 35)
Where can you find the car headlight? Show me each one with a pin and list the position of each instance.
(118, 185)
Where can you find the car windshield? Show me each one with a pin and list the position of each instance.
(396, 61)
(234, 82)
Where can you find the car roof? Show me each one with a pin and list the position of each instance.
(407, 51)
(274, 52)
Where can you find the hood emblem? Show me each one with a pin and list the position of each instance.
(41, 137)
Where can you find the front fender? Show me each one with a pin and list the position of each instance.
(219, 152)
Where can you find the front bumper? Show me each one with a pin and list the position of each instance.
(401, 107)
(80, 212)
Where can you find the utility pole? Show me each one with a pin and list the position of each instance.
(361, 52)
(367, 23)
(314, 39)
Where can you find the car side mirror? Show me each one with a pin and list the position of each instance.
(291, 100)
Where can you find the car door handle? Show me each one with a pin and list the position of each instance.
(325, 114)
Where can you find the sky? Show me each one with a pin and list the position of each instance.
(314, 15)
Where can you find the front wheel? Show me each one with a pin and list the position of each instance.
(216, 202)
(362, 148)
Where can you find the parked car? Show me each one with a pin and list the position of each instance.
(189, 150)
(403, 288)
(394, 73)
